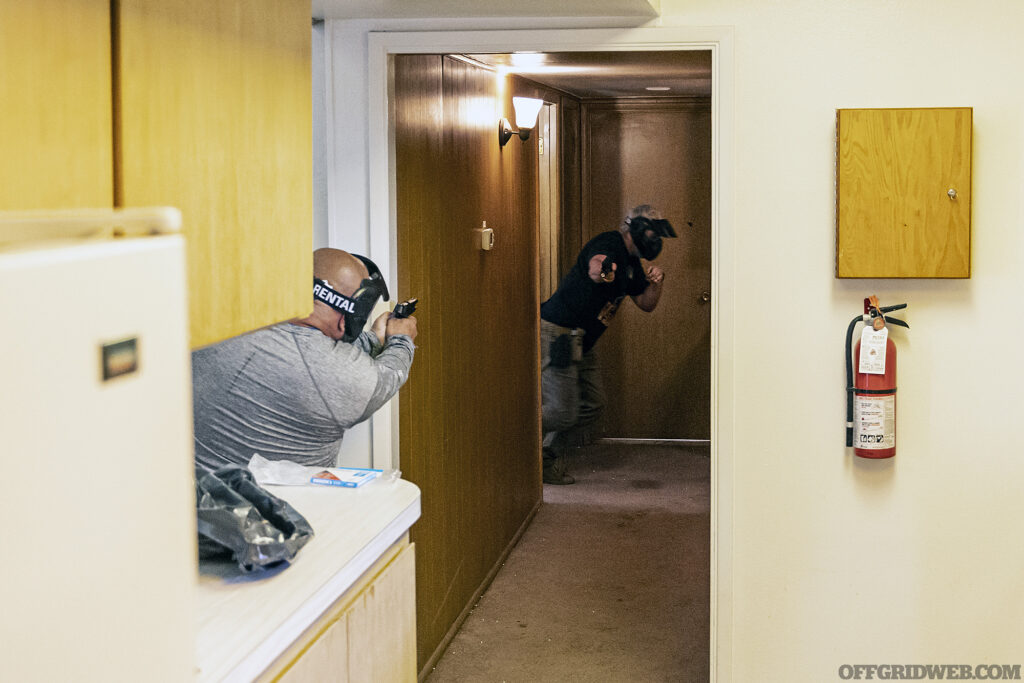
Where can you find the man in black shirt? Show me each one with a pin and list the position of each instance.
(607, 270)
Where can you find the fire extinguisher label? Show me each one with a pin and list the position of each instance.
(872, 351)
(874, 422)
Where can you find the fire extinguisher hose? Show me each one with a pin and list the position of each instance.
(849, 380)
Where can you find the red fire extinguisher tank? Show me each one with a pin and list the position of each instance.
(874, 408)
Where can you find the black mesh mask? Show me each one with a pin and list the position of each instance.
(647, 234)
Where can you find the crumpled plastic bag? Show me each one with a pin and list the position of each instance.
(237, 518)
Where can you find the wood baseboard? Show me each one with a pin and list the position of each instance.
(656, 442)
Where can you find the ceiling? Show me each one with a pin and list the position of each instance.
(588, 75)
(439, 9)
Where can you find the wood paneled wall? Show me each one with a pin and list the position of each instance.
(470, 412)
(570, 180)
(655, 366)
(570, 147)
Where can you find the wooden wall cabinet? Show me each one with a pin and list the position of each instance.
(368, 635)
(205, 106)
(55, 117)
(903, 193)
(215, 117)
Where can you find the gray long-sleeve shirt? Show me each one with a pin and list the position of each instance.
(289, 392)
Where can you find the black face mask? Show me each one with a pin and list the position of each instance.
(647, 234)
(355, 308)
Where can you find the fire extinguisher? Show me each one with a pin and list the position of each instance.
(871, 398)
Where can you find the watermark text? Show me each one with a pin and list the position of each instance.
(930, 672)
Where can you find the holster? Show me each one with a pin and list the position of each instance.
(566, 349)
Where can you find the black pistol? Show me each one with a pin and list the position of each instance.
(405, 309)
(607, 274)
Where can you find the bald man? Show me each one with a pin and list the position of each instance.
(289, 392)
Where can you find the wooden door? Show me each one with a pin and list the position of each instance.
(655, 366)
(214, 102)
(548, 198)
(55, 114)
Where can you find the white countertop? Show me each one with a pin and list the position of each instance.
(245, 621)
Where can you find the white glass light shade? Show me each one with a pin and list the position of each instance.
(527, 109)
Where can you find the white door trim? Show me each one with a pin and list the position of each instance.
(383, 232)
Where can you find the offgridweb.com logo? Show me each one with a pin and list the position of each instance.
(929, 672)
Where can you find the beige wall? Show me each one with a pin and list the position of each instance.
(916, 560)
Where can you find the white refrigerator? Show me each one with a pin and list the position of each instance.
(98, 547)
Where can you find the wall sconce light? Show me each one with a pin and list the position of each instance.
(526, 109)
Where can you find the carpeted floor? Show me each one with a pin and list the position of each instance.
(609, 584)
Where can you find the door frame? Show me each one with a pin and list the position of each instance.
(549, 191)
(383, 238)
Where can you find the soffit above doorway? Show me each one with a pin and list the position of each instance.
(439, 9)
(613, 74)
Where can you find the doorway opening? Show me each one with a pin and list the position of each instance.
(619, 146)
(636, 130)
(383, 211)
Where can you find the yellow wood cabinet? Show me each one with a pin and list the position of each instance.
(904, 193)
(368, 635)
(201, 105)
(55, 115)
(214, 116)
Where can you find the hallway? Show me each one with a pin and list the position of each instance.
(608, 584)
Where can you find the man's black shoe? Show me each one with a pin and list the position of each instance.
(554, 472)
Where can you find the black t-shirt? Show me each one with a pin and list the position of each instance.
(581, 302)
